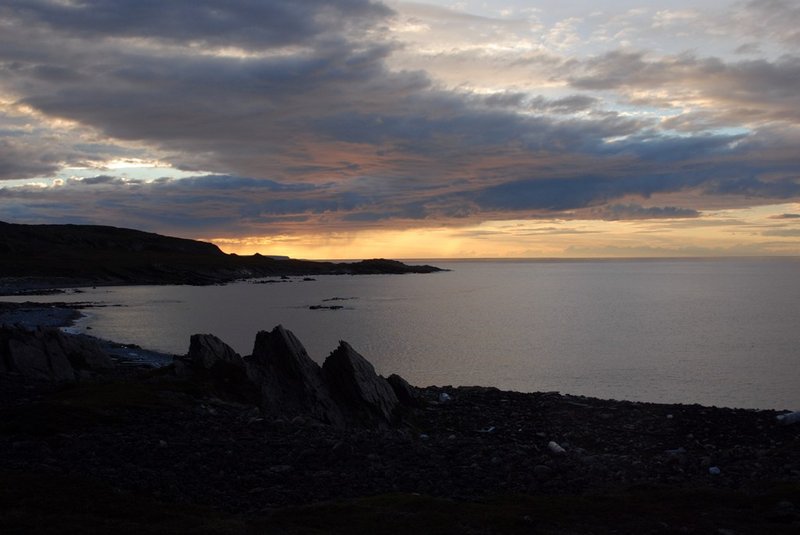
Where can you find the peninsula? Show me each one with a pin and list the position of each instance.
(39, 257)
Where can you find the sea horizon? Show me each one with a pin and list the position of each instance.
(713, 331)
(556, 259)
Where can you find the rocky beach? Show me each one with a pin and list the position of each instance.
(272, 442)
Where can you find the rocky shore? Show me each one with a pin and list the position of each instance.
(274, 443)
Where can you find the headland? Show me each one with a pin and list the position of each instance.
(43, 258)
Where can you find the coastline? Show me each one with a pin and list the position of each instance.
(16, 286)
(63, 316)
(165, 441)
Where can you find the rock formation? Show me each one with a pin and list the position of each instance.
(49, 354)
(208, 352)
(287, 383)
(212, 360)
(367, 396)
(406, 394)
(279, 376)
(291, 383)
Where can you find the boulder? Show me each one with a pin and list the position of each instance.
(49, 354)
(83, 352)
(214, 362)
(406, 394)
(291, 383)
(28, 356)
(206, 352)
(365, 396)
(288, 384)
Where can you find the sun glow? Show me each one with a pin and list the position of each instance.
(731, 232)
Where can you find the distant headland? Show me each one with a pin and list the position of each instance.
(48, 256)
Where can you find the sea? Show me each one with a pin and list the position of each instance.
(723, 332)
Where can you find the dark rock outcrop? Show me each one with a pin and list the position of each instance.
(291, 383)
(213, 361)
(49, 354)
(406, 394)
(286, 383)
(366, 396)
(206, 351)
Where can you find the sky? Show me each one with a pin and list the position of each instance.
(439, 129)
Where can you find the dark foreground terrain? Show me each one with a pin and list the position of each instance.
(133, 450)
(41, 257)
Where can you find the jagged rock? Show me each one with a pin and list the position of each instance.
(84, 353)
(354, 383)
(291, 383)
(49, 354)
(212, 360)
(288, 384)
(206, 351)
(406, 394)
(29, 357)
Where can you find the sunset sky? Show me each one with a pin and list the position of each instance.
(354, 129)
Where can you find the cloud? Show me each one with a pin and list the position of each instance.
(18, 160)
(748, 48)
(299, 113)
(670, 250)
(203, 23)
(778, 189)
(100, 179)
(635, 211)
(784, 233)
(777, 20)
(786, 216)
(520, 101)
(745, 91)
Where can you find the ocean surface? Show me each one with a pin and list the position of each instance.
(714, 332)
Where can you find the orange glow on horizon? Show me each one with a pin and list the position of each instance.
(739, 232)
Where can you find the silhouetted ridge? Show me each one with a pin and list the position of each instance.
(61, 255)
(23, 239)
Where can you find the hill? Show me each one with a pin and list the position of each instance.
(57, 255)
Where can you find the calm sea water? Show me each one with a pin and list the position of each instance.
(716, 332)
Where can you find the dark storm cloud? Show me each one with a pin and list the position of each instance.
(268, 116)
(100, 179)
(227, 182)
(674, 149)
(565, 105)
(773, 189)
(729, 174)
(20, 161)
(293, 108)
(192, 204)
(200, 22)
(560, 194)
